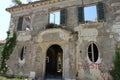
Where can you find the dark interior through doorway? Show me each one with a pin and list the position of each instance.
(54, 62)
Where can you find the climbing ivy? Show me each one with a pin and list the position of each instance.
(115, 73)
(7, 50)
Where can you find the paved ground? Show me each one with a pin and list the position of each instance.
(53, 77)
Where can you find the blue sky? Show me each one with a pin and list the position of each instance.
(5, 17)
(53, 16)
(90, 13)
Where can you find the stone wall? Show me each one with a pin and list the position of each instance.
(74, 39)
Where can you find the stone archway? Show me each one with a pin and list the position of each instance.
(54, 62)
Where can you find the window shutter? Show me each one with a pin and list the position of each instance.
(100, 11)
(20, 21)
(80, 14)
(63, 16)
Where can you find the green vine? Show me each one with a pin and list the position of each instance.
(7, 50)
(115, 73)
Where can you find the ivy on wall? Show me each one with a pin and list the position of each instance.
(115, 73)
(7, 50)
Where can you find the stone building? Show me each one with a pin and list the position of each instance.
(78, 49)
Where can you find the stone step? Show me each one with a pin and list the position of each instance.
(53, 79)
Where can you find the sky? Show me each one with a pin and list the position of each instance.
(54, 17)
(5, 17)
(90, 13)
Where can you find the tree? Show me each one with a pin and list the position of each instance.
(115, 73)
(18, 2)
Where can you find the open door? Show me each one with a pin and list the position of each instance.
(54, 62)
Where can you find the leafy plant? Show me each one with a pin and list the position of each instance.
(7, 50)
(18, 2)
(51, 25)
(115, 73)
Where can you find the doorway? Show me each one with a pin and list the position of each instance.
(54, 62)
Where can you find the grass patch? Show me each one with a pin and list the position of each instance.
(4, 78)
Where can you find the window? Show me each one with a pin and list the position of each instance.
(22, 54)
(93, 52)
(24, 23)
(58, 17)
(91, 13)
(27, 22)
(20, 22)
(55, 17)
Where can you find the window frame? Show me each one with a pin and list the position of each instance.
(93, 4)
(22, 53)
(24, 27)
(51, 12)
(23, 23)
(98, 58)
(65, 15)
(96, 12)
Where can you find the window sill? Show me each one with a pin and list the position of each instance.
(24, 32)
(92, 24)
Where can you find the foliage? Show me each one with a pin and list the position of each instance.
(4, 78)
(51, 25)
(18, 2)
(1, 48)
(7, 50)
(115, 73)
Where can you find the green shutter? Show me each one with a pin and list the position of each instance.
(100, 11)
(20, 21)
(80, 14)
(63, 16)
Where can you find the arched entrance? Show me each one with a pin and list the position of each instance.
(54, 62)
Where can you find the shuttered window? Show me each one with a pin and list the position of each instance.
(80, 14)
(85, 14)
(54, 17)
(20, 22)
(63, 16)
(100, 11)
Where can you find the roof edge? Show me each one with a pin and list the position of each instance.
(31, 5)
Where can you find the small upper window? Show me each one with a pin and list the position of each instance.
(24, 23)
(27, 22)
(58, 17)
(55, 17)
(93, 53)
(90, 14)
